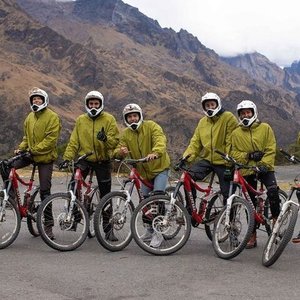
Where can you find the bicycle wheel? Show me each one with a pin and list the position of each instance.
(34, 204)
(267, 211)
(10, 223)
(56, 229)
(156, 215)
(215, 205)
(91, 211)
(230, 240)
(112, 221)
(279, 239)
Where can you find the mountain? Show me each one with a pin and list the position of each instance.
(70, 48)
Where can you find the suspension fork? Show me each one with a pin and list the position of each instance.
(4, 195)
(69, 208)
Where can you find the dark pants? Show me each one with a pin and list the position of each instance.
(203, 167)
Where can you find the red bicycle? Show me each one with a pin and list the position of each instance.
(114, 212)
(12, 208)
(71, 213)
(236, 221)
(170, 220)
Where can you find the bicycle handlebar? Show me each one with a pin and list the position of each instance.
(21, 154)
(290, 157)
(132, 161)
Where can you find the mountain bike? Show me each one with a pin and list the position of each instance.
(12, 208)
(235, 223)
(284, 226)
(70, 212)
(171, 220)
(114, 212)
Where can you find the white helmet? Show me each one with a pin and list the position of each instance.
(246, 122)
(132, 108)
(94, 112)
(41, 93)
(211, 96)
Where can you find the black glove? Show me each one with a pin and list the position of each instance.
(64, 164)
(101, 136)
(262, 169)
(256, 155)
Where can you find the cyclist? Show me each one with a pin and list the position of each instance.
(41, 131)
(253, 143)
(95, 131)
(145, 138)
(213, 131)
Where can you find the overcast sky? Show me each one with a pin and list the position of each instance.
(231, 27)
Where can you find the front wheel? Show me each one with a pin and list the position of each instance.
(60, 229)
(281, 235)
(155, 220)
(10, 222)
(112, 221)
(230, 239)
(34, 204)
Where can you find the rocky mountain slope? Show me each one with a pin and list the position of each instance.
(71, 48)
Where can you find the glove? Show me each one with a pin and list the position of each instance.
(262, 169)
(64, 164)
(101, 136)
(256, 155)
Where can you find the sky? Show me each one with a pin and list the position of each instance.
(231, 27)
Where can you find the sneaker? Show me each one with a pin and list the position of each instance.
(296, 239)
(147, 236)
(109, 236)
(157, 239)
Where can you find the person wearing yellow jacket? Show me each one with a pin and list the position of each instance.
(253, 143)
(212, 132)
(41, 132)
(95, 131)
(145, 138)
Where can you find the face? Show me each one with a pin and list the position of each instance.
(246, 113)
(94, 103)
(37, 100)
(133, 117)
(210, 104)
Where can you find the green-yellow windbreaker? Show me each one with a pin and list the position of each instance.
(148, 138)
(212, 133)
(41, 132)
(257, 137)
(84, 137)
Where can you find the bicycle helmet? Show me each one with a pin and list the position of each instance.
(94, 112)
(211, 96)
(41, 93)
(247, 104)
(132, 108)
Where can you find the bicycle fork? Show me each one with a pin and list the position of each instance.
(3, 201)
(69, 206)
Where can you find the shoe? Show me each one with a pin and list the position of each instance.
(296, 239)
(110, 236)
(157, 239)
(49, 232)
(147, 236)
(252, 243)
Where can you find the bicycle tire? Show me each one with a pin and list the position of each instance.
(278, 241)
(230, 242)
(68, 234)
(151, 213)
(95, 200)
(32, 214)
(112, 219)
(10, 224)
(214, 207)
(267, 211)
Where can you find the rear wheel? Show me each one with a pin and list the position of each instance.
(112, 221)
(215, 205)
(59, 230)
(10, 223)
(229, 240)
(279, 239)
(34, 204)
(158, 220)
